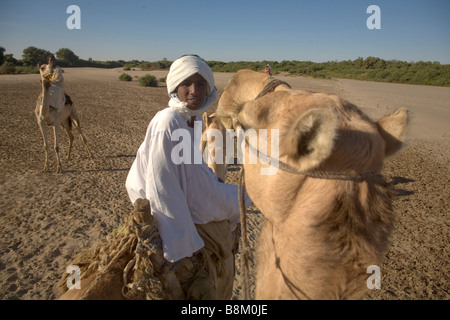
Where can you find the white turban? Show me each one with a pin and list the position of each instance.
(180, 70)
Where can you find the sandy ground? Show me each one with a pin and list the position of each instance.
(47, 218)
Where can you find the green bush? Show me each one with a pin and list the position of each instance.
(369, 68)
(148, 81)
(7, 68)
(125, 77)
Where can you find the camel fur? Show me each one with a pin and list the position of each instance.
(55, 109)
(321, 234)
(214, 145)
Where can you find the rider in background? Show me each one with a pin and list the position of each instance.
(268, 69)
(54, 72)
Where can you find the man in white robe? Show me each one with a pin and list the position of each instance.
(183, 192)
(55, 72)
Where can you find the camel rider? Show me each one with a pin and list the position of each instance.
(54, 74)
(195, 213)
(268, 69)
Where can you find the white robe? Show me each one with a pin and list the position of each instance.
(180, 195)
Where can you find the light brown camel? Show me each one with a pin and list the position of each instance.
(329, 210)
(214, 145)
(55, 109)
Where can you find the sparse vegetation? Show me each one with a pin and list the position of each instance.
(125, 77)
(148, 81)
(370, 68)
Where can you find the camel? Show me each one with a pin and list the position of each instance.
(55, 109)
(213, 129)
(328, 209)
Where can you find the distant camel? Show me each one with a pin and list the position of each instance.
(328, 208)
(54, 109)
(215, 154)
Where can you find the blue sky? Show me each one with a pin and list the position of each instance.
(229, 30)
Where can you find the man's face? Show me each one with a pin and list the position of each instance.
(193, 91)
(51, 61)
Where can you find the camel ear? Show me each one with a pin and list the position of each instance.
(392, 129)
(310, 140)
(205, 118)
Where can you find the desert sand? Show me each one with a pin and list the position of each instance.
(48, 218)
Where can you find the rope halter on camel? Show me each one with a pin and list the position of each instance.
(314, 173)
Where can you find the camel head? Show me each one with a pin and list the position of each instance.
(315, 129)
(243, 87)
(213, 144)
(43, 69)
(329, 210)
(45, 75)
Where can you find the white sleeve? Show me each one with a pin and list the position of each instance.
(166, 189)
(211, 200)
(180, 195)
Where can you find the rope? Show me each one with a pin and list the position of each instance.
(136, 251)
(271, 87)
(122, 245)
(292, 287)
(245, 256)
(318, 174)
(140, 238)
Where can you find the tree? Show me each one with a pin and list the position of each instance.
(370, 62)
(2, 51)
(9, 58)
(32, 56)
(67, 58)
